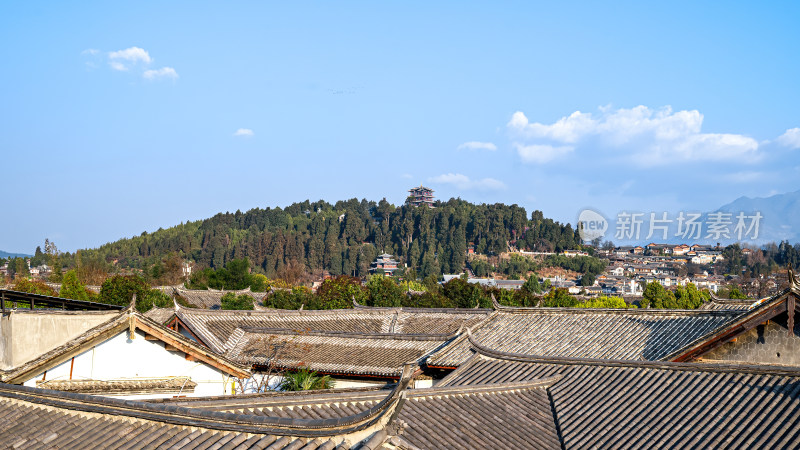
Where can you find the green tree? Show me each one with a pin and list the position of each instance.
(33, 287)
(383, 291)
(338, 293)
(119, 290)
(656, 296)
(605, 302)
(232, 301)
(559, 298)
(532, 285)
(71, 287)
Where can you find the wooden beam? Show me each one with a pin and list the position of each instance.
(149, 337)
(790, 314)
(171, 348)
(191, 357)
(201, 354)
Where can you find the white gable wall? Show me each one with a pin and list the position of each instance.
(123, 358)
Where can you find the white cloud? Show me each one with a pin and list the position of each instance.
(244, 132)
(116, 65)
(464, 182)
(132, 55)
(790, 139)
(647, 136)
(90, 51)
(475, 145)
(407, 175)
(540, 153)
(164, 72)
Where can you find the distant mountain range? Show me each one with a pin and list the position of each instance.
(780, 221)
(780, 212)
(13, 255)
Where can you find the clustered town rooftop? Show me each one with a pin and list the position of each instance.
(81, 374)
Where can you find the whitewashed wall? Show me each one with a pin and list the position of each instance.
(123, 358)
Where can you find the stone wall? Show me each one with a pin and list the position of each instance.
(769, 343)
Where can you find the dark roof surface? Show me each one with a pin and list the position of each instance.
(332, 352)
(727, 304)
(626, 404)
(636, 334)
(512, 415)
(216, 328)
(36, 418)
(211, 298)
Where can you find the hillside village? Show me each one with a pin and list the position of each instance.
(499, 355)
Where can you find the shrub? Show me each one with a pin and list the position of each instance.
(231, 301)
(305, 380)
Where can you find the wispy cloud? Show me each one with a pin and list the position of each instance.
(116, 65)
(246, 132)
(164, 72)
(464, 182)
(129, 56)
(648, 137)
(476, 145)
(790, 139)
(407, 175)
(541, 153)
(90, 51)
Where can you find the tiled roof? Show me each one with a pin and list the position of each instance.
(160, 315)
(332, 352)
(32, 417)
(512, 415)
(723, 304)
(216, 328)
(626, 404)
(636, 334)
(211, 298)
(131, 386)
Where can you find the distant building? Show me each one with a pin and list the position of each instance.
(384, 262)
(419, 196)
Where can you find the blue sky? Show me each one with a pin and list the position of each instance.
(120, 117)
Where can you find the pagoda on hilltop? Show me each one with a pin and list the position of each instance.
(419, 196)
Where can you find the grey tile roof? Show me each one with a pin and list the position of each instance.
(626, 404)
(216, 328)
(646, 334)
(211, 298)
(160, 315)
(331, 352)
(727, 304)
(511, 415)
(131, 386)
(36, 418)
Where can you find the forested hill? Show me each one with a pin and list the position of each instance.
(346, 237)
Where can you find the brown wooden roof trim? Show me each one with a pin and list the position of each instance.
(767, 310)
(185, 345)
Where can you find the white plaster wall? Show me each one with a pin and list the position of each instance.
(123, 358)
(25, 335)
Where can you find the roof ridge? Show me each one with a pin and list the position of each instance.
(619, 311)
(664, 365)
(349, 334)
(215, 420)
